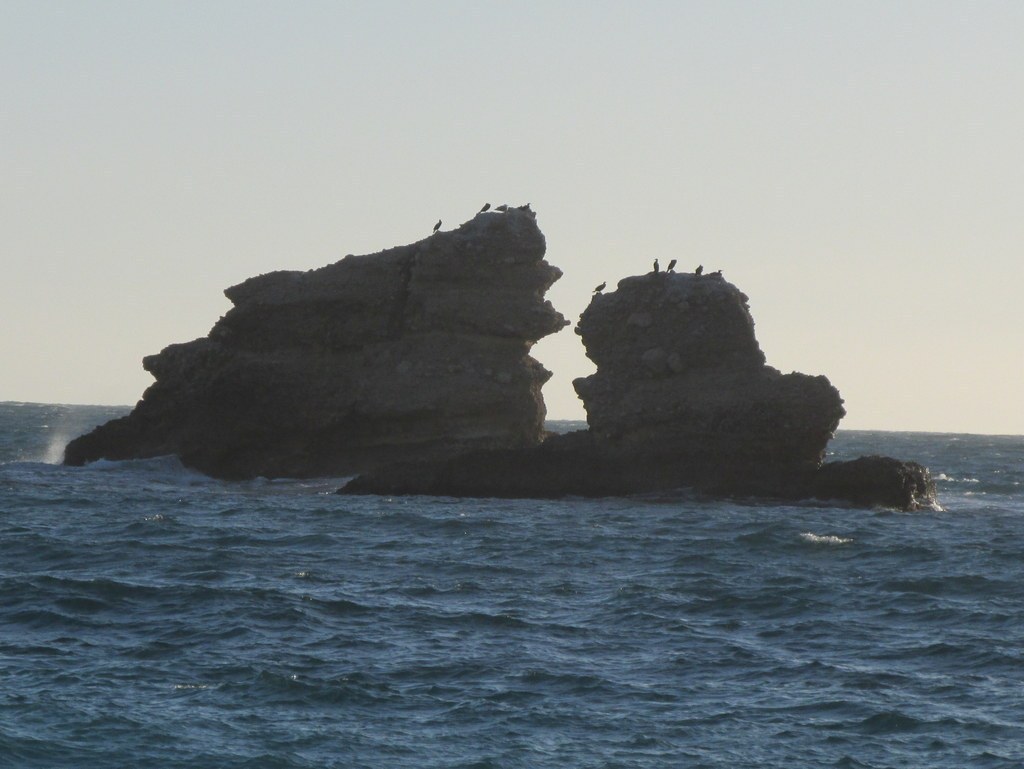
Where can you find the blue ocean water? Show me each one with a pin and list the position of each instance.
(150, 616)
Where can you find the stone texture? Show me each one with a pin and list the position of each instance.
(419, 351)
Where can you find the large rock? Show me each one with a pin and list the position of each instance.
(875, 480)
(680, 378)
(419, 352)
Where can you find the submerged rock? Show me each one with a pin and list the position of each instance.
(419, 351)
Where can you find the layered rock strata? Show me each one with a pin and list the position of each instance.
(420, 351)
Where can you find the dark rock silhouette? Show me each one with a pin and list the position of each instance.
(412, 366)
(681, 379)
(875, 480)
(681, 398)
(420, 351)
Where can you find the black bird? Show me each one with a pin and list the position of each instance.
(503, 208)
(671, 266)
(437, 226)
(699, 270)
(486, 206)
(657, 268)
(600, 288)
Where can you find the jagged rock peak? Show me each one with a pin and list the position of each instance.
(486, 277)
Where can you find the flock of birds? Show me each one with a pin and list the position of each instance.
(657, 267)
(487, 207)
(671, 268)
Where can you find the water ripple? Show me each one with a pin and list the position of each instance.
(151, 616)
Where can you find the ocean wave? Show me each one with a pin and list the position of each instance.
(167, 468)
(890, 722)
(825, 539)
(263, 623)
(950, 479)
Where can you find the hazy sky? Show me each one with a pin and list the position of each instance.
(856, 168)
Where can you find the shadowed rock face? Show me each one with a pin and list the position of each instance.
(420, 351)
(680, 375)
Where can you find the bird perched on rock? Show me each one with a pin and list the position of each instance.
(671, 266)
(699, 270)
(600, 288)
(437, 226)
(657, 267)
(503, 208)
(486, 206)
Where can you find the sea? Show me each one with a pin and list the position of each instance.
(153, 617)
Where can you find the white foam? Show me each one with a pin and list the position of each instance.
(54, 453)
(825, 539)
(167, 467)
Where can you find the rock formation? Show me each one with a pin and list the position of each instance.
(681, 398)
(681, 380)
(420, 351)
(874, 480)
(412, 366)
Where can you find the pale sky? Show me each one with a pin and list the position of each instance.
(856, 168)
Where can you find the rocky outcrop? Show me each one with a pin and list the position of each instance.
(412, 367)
(421, 351)
(572, 465)
(681, 398)
(874, 480)
(680, 378)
